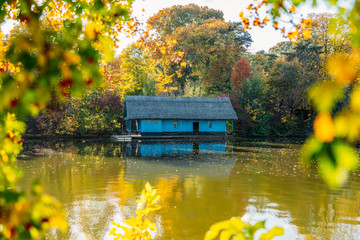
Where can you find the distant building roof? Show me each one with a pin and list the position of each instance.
(145, 107)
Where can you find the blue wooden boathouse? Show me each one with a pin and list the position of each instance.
(178, 115)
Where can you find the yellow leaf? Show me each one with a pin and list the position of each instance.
(276, 231)
(266, 20)
(163, 50)
(4, 156)
(276, 25)
(324, 128)
(71, 58)
(306, 22)
(341, 69)
(90, 30)
(307, 34)
(325, 94)
(293, 35)
(292, 9)
(355, 100)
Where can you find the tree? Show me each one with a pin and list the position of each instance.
(331, 146)
(281, 47)
(255, 119)
(62, 59)
(239, 74)
(287, 89)
(137, 73)
(261, 63)
(210, 49)
(194, 89)
(194, 43)
(330, 32)
(166, 21)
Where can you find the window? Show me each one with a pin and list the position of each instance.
(176, 124)
(210, 124)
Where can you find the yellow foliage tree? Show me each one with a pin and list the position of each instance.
(58, 52)
(335, 131)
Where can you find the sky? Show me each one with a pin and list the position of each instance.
(263, 38)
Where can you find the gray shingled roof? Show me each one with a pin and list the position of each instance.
(144, 107)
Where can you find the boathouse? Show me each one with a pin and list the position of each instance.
(178, 115)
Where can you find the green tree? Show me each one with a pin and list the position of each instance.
(166, 21)
(261, 63)
(255, 119)
(281, 47)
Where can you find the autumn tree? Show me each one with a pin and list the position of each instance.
(210, 50)
(240, 72)
(331, 146)
(166, 21)
(195, 44)
(64, 58)
(331, 32)
(135, 72)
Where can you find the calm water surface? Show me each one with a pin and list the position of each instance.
(200, 183)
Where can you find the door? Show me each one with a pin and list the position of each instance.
(195, 128)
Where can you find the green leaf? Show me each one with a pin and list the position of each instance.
(252, 229)
(311, 149)
(334, 176)
(324, 95)
(37, 188)
(345, 155)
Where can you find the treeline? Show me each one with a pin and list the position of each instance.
(193, 51)
(98, 112)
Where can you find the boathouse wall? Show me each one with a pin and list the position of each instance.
(182, 127)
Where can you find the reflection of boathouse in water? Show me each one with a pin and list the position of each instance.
(173, 148)
(150, 159)
(178, 115)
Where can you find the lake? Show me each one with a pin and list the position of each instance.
(199, 183)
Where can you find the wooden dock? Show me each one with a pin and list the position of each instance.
(129, 138)
(122, 138)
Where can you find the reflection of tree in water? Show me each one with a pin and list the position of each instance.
(78, 174)
(98, 185)
(298, 193)
(102, 147)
